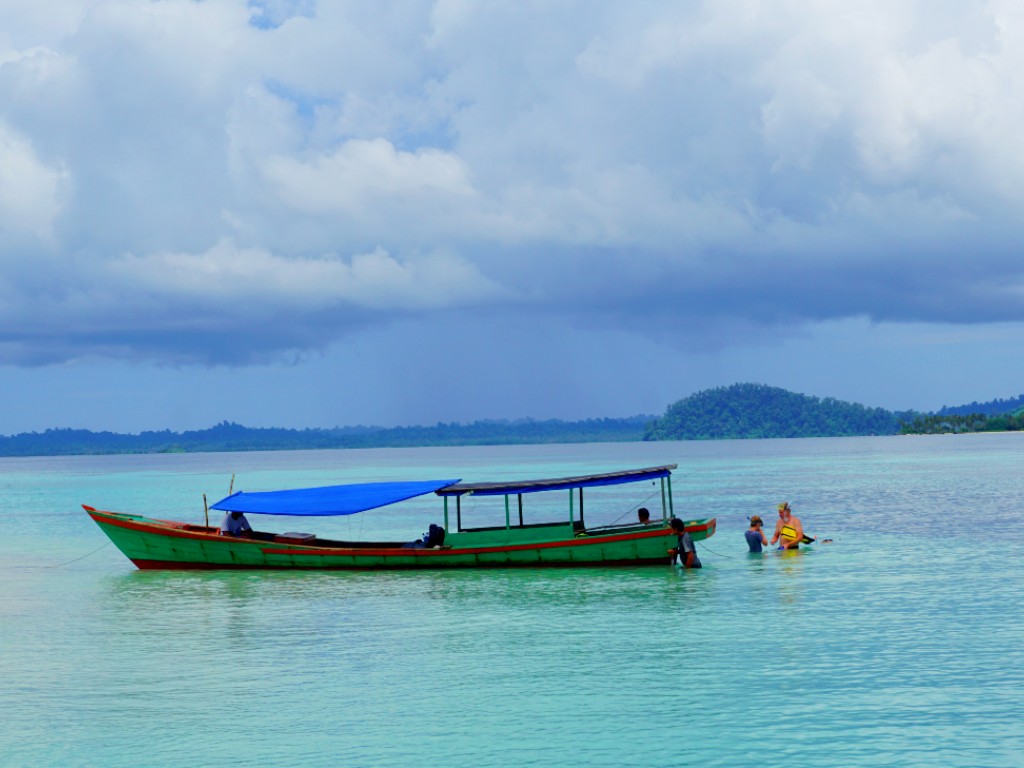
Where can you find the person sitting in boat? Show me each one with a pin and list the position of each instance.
(235, 524)
(789, 531)
(644, 516)
(432, 539)
(685, 550)
(755, 534)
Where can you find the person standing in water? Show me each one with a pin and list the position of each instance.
(755, 534)
(789, 531)
(684, 549)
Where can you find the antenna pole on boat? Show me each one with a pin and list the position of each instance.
(206, 511)
(664, 506)
(671, 509)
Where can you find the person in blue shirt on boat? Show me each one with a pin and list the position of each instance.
(235, 524)
(755, 534)
(685, 550)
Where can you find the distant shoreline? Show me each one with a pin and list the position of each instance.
(737, 412)
(230, 437)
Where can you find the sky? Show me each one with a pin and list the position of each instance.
(315, 214)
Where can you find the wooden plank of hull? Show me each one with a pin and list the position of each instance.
(152, 544)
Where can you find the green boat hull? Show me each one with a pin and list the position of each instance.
(163, 544)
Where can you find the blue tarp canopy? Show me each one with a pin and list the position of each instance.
(558, 483)
(329, 500)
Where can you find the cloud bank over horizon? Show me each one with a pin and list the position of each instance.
(238, 184)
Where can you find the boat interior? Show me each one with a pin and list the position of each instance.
(309, 539)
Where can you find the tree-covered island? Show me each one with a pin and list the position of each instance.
(759, 411)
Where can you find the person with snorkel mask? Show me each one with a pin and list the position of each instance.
(755, 534)
(789, 531)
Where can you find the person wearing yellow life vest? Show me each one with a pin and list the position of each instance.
(789, 531)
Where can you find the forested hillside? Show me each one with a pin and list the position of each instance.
(935, 424)
(757, 410)
(991, 408)
(992, 416)
(227, 436)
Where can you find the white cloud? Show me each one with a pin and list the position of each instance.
(230, 276)
(359, 174)
(33, 24)
(31, 191)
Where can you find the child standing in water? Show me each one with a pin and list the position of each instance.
(755, 535)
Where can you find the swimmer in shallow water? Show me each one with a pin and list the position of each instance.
(755, 534)
(788, 530)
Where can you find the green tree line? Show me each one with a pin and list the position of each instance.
(228, 436)
(935, 424)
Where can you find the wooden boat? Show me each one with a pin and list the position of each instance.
(163, 544)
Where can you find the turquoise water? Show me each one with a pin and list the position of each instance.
(900, 644)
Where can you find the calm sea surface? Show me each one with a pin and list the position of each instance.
(902, 643)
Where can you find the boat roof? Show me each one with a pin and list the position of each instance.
(328, 500)
(557, 483)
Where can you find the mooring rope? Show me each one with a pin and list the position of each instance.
(69, 562)
(708, 549)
